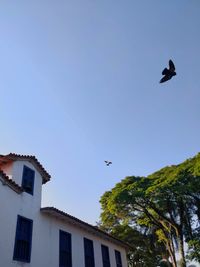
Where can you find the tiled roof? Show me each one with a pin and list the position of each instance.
(51, 211)
(12, 157)
(9, 182)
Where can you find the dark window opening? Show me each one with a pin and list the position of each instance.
(23, 239)
(89, 253)
(105, 256)
(28, 180)
(65, 250)
(118, 258)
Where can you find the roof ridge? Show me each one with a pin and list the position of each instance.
(14, 156)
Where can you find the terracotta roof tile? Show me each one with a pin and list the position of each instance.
(12, 157)
(9, 182)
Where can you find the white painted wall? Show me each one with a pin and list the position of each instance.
(49, 230)
(45, 239)
(15, 170)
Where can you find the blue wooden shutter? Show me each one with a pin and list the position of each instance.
(118, 258)
(105, 256)
(28, 180)
(23, 239)
(89, 253)
(65, 250)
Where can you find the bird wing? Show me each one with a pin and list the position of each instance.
(165, 71)
(165, 78)
(171, 65)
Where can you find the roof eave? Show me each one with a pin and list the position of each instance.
(32, 159)
(5, 180)
(51, 211)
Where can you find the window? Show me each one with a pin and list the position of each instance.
(89, 253)
(23, 238)
(28, 180)
(118, 258)
(65, 250)
(105, 256)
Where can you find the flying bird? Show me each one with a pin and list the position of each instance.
(107, 162)
(169, 73)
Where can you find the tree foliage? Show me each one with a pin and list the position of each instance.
(164, 205)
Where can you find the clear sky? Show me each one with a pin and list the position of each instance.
(79, 84)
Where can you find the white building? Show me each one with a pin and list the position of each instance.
(46, 237)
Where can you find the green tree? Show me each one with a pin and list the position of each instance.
(118, 215)
(166, 203)
(143, 248)
(194, 247)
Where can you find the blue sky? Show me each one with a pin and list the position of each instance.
(79, 83)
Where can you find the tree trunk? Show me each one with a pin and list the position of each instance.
(180, 235)
(171, 253)
(181, 251)
(173, 256)
(170, 247)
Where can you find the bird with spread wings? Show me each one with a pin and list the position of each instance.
(108, 162)
(168, 73)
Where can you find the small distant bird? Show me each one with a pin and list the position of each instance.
(107, 162)
(169, 73)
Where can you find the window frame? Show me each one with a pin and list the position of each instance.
(91, 262)
(16, 256)
(118, 263)
(69, 252)
(105, 260)
(24, 178)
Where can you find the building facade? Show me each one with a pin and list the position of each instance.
(46, 237)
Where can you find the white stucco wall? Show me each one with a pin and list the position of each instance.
(45, 238)
(15, 170)
(48, 229)
(13, 204)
